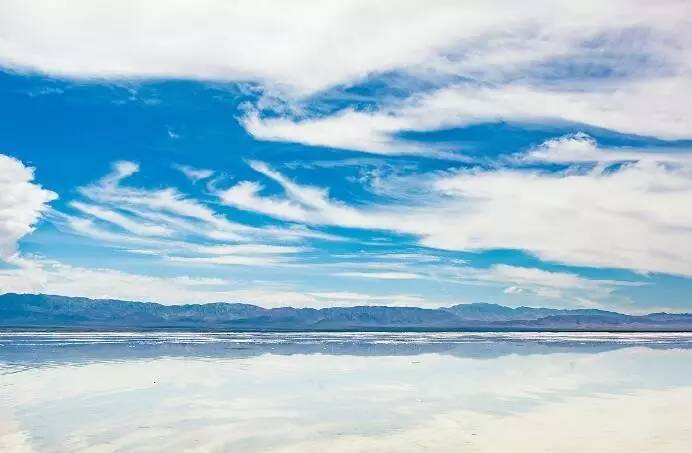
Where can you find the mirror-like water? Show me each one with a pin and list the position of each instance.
(370, 392)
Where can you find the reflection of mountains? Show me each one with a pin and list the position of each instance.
(31, 350)
(26, 310)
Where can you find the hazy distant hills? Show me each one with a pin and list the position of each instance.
(27, 310)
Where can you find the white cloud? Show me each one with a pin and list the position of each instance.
(61, 279)
(167, 223)
(169, 204)
(649, 107)
(513, 290)
(22, 203)
(580, 147)
(120, 170)
(568, 288)
(313, 45)
(309, 45)
(51, 277)
(342, 298)
(307, 204)
(555, 285)
(347, 129)
(231, 260)
(122, 221)
(381, 275)
(245, 193)
(188, 251)
(194, 174)
(634, 217)
(512, 55)
(539, 277)
(253, 249)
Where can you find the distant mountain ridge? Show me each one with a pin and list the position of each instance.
(494, 312)
(47, 311)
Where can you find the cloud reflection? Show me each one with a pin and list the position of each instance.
(297, 392)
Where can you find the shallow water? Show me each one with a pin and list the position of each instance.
(305, 392)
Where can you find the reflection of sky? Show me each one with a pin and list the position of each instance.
(220, 395)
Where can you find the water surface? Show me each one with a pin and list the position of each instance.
(370, 392)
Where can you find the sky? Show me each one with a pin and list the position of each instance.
(341, 153)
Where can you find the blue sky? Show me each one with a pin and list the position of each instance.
(347, 153)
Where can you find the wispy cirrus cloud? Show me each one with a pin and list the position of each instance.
(122, 221)
(340, 298)
(558, 285)
(168, 224)
(194, 174)
(655, 108)
(639, 210)
(392, 275)
(54, 277)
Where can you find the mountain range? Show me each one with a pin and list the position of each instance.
(49, 311)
